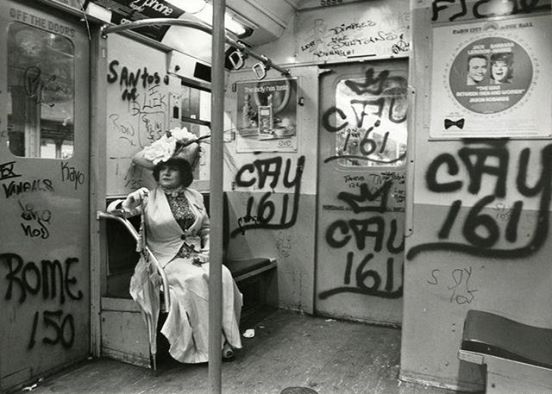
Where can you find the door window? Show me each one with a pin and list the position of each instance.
(41, 86)
(370, 116)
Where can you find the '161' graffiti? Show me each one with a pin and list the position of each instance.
(481, 231)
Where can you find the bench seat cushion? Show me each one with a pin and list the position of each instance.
(242, 267)
(491, 334)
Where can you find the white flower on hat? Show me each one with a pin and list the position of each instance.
(182, 135)
(160, 150)
(176, 143)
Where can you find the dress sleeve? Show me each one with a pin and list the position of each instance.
(116, 207)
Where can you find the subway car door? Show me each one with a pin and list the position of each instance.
(360, 235)
(44, 192)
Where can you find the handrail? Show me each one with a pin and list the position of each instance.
(134, 233)
(202, 26)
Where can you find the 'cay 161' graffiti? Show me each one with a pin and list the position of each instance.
(481, 230)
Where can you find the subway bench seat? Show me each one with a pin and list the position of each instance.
(122, 258)
(246, 268)
(517, 356)
(123, 332)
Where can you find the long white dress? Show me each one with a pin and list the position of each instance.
(187, 323)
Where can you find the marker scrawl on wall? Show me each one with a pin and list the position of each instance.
(356, 31)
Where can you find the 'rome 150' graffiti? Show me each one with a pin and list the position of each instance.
(52, 281)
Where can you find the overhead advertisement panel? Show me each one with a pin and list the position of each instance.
(488, 79)
(132, 10)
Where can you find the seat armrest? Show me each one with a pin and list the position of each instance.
(130, 228)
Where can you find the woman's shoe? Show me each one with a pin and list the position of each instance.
(227, 352)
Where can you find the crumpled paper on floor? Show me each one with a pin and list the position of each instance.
(249, 333)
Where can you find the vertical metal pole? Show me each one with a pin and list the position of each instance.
(216, 197)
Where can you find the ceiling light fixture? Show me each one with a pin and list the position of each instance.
(204, 12)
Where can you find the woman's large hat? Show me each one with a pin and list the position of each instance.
(176, 143)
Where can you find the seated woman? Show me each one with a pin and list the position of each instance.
(177, 232)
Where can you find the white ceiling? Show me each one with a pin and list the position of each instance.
(268, 18)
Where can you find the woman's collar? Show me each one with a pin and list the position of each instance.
(173, 192)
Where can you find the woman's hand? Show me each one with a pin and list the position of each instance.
(201, 259)
(135, 199)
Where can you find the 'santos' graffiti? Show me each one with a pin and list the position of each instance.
(482, 231)
(129, 80)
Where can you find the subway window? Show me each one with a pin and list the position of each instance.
(41, 86)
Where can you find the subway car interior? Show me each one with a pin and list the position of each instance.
(226, 139)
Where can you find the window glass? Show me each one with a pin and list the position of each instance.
(41, 93)
(373, 123)
(196, 104)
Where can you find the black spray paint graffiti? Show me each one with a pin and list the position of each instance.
(49, 279)
(460, 288)
(62, 328)
(129, 80)
(36, 221)
(147, 117)
(485, 8)
(362, 139)
(36, 185)
(492, 159)
(329, 3)
(266, 209)
(53, 280)
(7, 171)
(357, 231)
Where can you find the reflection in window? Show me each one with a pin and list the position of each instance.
(196, 104)
(41, 93)
(372, 122)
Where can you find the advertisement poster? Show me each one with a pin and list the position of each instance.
(488, 79)
(267, 116)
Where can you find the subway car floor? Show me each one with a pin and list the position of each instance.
(290, 353)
